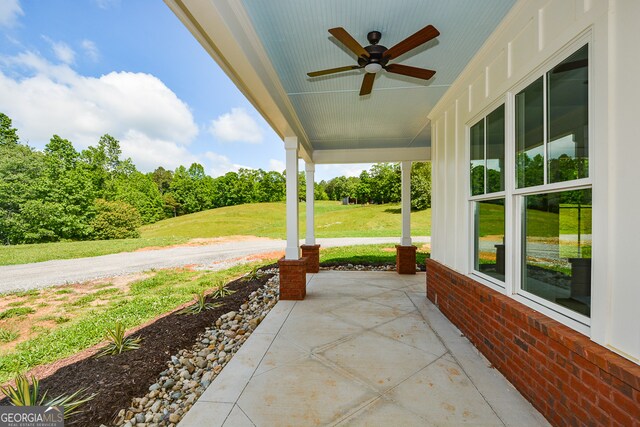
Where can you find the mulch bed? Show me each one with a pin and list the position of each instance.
(118, 379)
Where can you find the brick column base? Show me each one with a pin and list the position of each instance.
(293, 278)
(312, 254)
(406, 259)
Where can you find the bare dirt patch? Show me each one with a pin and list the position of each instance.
(204, 242)
(58, 305)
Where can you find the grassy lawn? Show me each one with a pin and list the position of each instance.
(23, 254)
(43, 326)
(374, 254)
(268, 220)
(265, 220)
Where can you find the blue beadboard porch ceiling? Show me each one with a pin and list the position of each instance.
(294, 35)
(267, 48)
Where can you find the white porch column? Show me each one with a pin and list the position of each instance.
(310, 169)
(291, 146)
(406, 204)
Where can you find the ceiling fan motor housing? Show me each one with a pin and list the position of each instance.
(374, 50)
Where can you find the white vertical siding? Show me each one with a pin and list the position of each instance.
(531, 35)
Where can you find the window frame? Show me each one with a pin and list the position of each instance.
(514, 197)
(485, 279)
(517, 195)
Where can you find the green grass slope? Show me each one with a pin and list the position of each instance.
(268, 220)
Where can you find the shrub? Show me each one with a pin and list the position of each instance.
(119, 342)
(199, 305)
(115, 220)
(25, 394)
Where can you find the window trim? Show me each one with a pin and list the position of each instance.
(492, 282)
(517, 195)
(514, 197)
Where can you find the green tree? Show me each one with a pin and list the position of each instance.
(139, 191)
(21, 170)
(115, 220)
(8, 134)
(421, 185)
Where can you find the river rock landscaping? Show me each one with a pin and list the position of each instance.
(190, 371)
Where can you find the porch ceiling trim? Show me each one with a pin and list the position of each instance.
(416, 154)
(240, 54)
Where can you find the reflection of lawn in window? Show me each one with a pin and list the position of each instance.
(538, 221)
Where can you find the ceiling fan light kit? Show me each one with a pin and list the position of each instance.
(375, 57)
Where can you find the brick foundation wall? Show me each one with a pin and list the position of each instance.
(293, 278)
(312, 254)
(406, 259)
(570, 379)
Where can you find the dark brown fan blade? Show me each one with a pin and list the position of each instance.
(424, 35)
(333, 70)
(367, 84)
(405, 70)
(346, 39)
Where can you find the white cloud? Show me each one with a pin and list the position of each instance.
(221, 164)
(10, 10)
(236, 126)
(152, 123)
(277, 165)
(91, 50)
(106, 4)
(62, 51)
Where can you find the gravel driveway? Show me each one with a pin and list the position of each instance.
(214, 257)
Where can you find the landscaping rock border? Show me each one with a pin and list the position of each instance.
(190, 371)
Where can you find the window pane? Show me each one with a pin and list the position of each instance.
(568, 93)
(529, 136)
(477, 158)
(495, 150)
(489, 238)
(557, 248)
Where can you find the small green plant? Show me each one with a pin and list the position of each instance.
(25, 394)
(254, 274)
(7, 335)
(65, 291)
(16, 304)
(16, 312)
(118, 342)
(220, 290)
(200, 304)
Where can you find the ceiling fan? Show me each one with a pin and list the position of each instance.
(375, 57)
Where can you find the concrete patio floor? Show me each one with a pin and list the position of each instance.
(363, 348)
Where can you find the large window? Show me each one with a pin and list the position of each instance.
(487, 155)
(548, 197)
(551, 149)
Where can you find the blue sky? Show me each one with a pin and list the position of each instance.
(83, 68)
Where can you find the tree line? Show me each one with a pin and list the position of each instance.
(61, 193)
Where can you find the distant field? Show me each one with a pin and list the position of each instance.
(264, 219)
(268, 220)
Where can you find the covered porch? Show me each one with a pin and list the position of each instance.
(364, 348)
